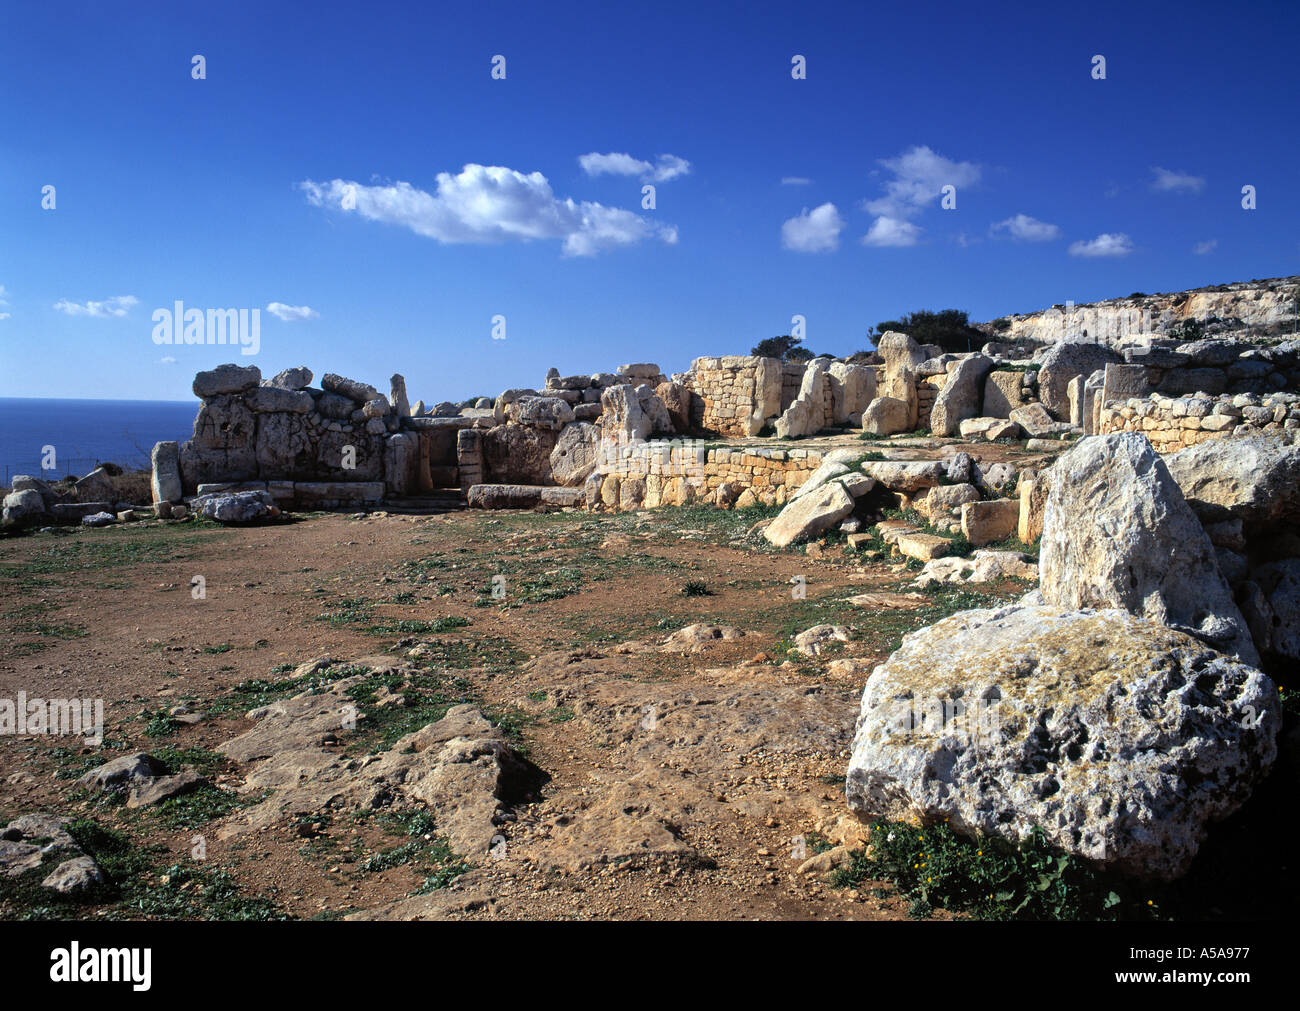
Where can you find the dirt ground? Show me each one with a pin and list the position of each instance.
(708, 813)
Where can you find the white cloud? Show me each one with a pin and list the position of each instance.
(118, 305)
(1205, 248)
(4, 303)
(795, 181)
(1166, 181)
(1027, 229)
(291, 313)
(919, 176)
(1106, 244)
(886, 231)
(666, 168)
(815, 231)
(490, 203)
(166, 360)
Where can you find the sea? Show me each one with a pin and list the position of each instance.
(85, 433)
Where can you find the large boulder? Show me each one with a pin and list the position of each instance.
(237, 507)
(291, 379)
(1255, 479)
(853, 387)
(549, 413)
(885, 416)
(225, 379)
(1003, 392)
(223, 447)
(621, 416)
(1121, 739)
(1061, 363)
(1117, 533)
(358, 393)
(507, 398)
(23, 508)
(960, 396)
(903, 357)
(575, 454)
(661, 422)
(676, 399)
(517, 454)
(810, 515)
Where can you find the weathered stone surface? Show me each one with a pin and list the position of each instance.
(397, 396)
(885, 416)
(1277, 629)
(237, 507)
(24, 508)
(291, 379)
(807, 414)
(75, 877)
(809, 516)
(905, 476)
(156, 790)
(100, 519)
(1034, 419)
(358, 393)
(97, 485)
(961, 394)
(945, 498)
(922, 547)
(222, 448)
(402, 464)
(549, 413)
(504, 496)
(983, 566)
(575, 454)
(903, 356)
(661, 423)
(694, 638)
(1117, 533)
(989, 522)
(1254, 478)
(1119, 738)
(1033, 488)
(460, 768)
(820, 638)
(676, 399)
(123, 773)
(507, 398)
(1003, 393)
(517, 454)
(226, 379)
(1061, 363)
(621, 416)
(853, 387)
(165, 476)
(335, 407)
(328, 494)
(274, 398)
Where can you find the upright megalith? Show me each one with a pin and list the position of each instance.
(165, 479)
(1117, 532)
(397, 395)
(903, 357)
(961, 395)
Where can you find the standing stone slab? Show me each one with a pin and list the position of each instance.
(1118, 533)
(166, 472)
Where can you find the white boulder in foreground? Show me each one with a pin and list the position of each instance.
(1122, 739)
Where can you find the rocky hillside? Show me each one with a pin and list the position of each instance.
(1258, 308)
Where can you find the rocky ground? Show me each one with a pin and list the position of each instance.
(616, 765)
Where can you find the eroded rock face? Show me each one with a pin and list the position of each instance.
(1120, 738)
(460, 768)
(575, 454)
(1255, 479)
(621, 416)
(516, 454)
(1117, 533)
(226, 379)
(237, 507)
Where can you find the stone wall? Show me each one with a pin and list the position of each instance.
(338, 445)
(734, 395)
(1173, 423)
(681, 472)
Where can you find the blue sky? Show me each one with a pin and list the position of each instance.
(468, 197)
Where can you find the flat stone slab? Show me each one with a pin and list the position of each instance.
(505, 496)
(923, 546)
(326, 492)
